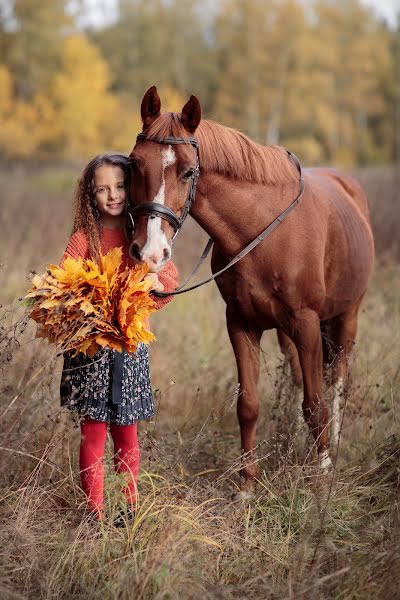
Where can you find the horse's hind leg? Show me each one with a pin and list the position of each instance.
(291, 356)
(307, 337)
(328, 350)
(292, 361)
(246, 345)
(343, 330)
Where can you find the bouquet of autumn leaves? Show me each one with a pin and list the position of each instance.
(84, 305)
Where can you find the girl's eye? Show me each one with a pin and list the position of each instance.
(101, 189)
(121, 186)
(188, 175)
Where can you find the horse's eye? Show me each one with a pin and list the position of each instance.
(188, 175)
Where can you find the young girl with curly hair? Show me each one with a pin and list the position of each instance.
(112, 387)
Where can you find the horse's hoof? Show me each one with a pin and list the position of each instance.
(243, 496)
(324, 463)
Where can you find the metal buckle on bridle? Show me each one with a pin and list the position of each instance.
(154, 209)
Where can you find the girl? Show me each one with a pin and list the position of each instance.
(112, 387)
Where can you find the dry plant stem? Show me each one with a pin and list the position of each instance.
(40, 460)
(43, 368)
(318, 583)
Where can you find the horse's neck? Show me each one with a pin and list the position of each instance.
(234, 212)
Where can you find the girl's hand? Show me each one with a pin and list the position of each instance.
(157, 285)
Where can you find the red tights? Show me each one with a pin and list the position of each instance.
(126, 459)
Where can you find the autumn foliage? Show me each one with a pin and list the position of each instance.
(84, 305)
(321, 78)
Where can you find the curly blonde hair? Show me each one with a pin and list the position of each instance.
(86, 213)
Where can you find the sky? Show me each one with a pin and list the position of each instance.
(100, 11)
(386, 8)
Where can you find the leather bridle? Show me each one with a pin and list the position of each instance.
(154, 209)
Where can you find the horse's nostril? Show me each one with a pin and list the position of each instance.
(167, 253)
(135, 252)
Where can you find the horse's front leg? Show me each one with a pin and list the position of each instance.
(246, 345)
(307, 338)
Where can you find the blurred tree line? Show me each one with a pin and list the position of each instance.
(322, 78)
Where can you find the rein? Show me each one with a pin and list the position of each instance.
(153, 208)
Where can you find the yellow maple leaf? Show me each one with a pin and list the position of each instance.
(50, 303)
(87, 307)
(110, 263)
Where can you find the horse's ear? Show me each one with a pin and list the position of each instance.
(151, 106)
(191, 114)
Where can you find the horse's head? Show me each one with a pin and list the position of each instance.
(164, 171)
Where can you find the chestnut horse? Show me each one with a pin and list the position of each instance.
(309, 277)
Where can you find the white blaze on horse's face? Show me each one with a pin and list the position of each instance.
(157, 250)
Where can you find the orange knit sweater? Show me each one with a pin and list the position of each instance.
(112, 238)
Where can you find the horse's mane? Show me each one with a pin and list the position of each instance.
(229, 152)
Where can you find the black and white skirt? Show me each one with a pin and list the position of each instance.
(110, 386)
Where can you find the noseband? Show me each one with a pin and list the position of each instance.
(155, 209)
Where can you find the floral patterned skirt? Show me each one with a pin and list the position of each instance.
(110, 386)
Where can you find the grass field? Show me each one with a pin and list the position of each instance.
(300, 537)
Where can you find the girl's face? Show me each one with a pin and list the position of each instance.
(110, 194)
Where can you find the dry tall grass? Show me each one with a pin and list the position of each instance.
(189, 539)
